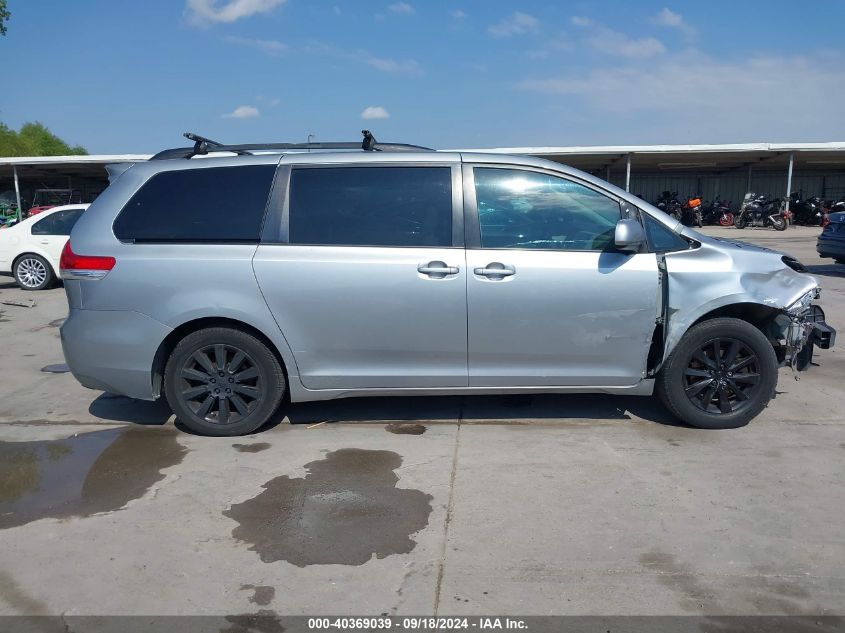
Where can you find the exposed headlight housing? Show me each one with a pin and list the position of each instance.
(803, 304)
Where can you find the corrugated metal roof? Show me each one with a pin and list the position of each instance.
(833, 146)
(663, 149)
(82, 160)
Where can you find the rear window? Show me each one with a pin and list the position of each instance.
(217, 204)
(58, 223)
(371, 206)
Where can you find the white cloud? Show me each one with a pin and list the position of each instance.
(204, 12)
(639, 90)
(242, 112)
(375, 112)
(384, 64)
(667, 17)
(515, 24)
(614, 43)
(401, 7)
(388, 65)
(458, 14)
(271, 101)
(268, 47)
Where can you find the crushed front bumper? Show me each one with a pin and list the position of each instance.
(803, 334)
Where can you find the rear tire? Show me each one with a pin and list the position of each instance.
(724, 393)
(223, 382)
(33, 272)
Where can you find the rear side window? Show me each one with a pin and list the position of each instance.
(217, 204)
(371, 206)
(58, 223)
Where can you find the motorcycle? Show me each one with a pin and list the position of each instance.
(668, 203)
(809, 212)
(760, 211)
(717, 212)
(691, 212)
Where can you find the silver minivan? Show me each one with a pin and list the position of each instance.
(227, 277)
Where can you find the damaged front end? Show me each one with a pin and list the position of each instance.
(798, 329)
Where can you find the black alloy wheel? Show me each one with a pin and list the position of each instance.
(223, 381)
(722, 376)
(221, 384)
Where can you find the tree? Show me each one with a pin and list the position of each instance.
(4, 17)
(34, 139)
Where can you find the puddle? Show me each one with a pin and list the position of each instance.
(405, 429)
(83, 475)
(251, 448)
(60, 368)
(262, 595)
(265, 621)
(346, 509)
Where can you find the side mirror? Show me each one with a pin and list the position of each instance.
(629, 235)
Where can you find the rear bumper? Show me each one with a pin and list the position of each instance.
(113, 350)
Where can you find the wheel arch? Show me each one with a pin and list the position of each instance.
(177, 334)
(22, 254)
(757, 314)
(43, 256)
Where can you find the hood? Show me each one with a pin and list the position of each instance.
(725, 242)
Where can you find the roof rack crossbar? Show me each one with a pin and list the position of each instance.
(203, 146)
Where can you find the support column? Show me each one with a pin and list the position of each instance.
(628, 174)
(607, 174)
(748, 185)
(789, 181)
(17, 191)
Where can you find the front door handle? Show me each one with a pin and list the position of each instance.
(495, 270)
(437, 269)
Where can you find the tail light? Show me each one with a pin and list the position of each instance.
(75, 266)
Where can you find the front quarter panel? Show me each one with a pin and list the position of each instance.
(715, 275)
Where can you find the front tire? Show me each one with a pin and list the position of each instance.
(223, 382)
(33, 272)
(779, 222)
(740, 222)
(721, 375)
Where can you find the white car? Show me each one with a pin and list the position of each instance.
(30, 250)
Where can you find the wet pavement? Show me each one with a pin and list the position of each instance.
(506, 505)
(345, 510)
(85, 474)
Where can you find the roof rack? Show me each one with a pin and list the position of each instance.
(203, 146)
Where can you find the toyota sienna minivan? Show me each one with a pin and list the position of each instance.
(226, 282)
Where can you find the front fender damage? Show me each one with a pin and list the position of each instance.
(713, 279)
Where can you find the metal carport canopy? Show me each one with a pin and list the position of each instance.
(687, 158)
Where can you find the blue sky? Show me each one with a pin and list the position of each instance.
(132, 76)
